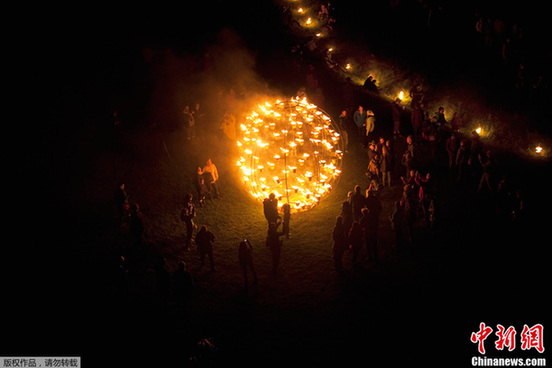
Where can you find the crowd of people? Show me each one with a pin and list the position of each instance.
(405, 156)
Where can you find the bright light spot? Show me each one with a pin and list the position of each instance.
(401, 95)
(297, 146)
(478, 130)
(538, 149)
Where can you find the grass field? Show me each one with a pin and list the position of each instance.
(157, 169)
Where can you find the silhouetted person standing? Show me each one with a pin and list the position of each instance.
(187, 215)
(245, 255)
(274, 243)
(359, 118)
(121, 203)
(347, 214)
(204, 240)
(462, 158)
(287, 216)
(201, 186)
(212, 182)
(487, 178)
(357, 203)
(373, 204)
(270, 208)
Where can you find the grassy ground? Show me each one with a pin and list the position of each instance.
(296, 305)
(308, 312)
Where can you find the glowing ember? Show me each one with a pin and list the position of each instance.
(401, 95)
(478, 130)
(538, 149)
(348, 67)
(292, 149)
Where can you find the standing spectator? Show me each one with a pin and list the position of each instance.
(339, 243)
(452, 145)
(188, 122)
(373, 204)
(487, 177)
(372, 151)
(396, 111)
(199, 118)
(286, 208)
(462, 157)
(355, 240)
(270, 208)
(409, 155)
(121, 203)
(344, 129)
(379, 146)
(373, 169)
(455, 123)
(440, 119)
(212, 182)
(274, 243)
(347, 215)
(201, 186)
(187, 215)
(204, 240)
(360, 121)
(370, 124)
(386, 164)
(228, 126)
(476, 148)
(416, 106)
(245, 255)
(357, 203)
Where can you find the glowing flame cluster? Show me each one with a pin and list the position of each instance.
(289, 148)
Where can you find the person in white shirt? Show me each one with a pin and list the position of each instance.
(212, 182)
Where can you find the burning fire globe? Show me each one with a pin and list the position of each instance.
(292, 149)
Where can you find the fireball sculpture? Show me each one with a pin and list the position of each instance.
(292, 149)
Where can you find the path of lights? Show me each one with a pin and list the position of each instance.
(292, 149)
